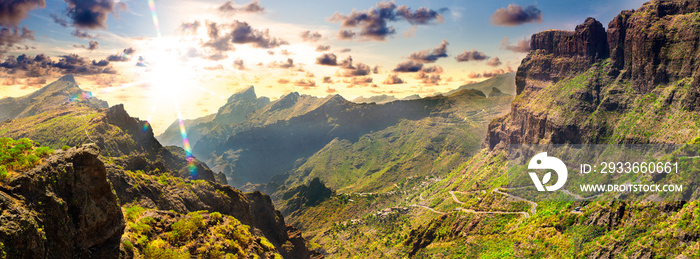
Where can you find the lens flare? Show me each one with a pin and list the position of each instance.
(186, 144)
(154, 16)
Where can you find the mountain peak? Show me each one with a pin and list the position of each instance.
(246, 94)
(68, 78)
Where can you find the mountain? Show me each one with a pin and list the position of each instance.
(49, 97)
(504, 83)
(378, 99)
(634, 83)
(432, 144)
(411, 97)
(162, 203)
(236, 109)
(64, 208)
(294, 127)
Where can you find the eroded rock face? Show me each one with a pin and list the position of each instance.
(64, 208)
(642, 51)
(557, 54)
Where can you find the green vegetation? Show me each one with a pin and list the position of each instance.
(159, 234)
(16, 155)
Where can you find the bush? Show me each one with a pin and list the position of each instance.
(215, 217)
(65, 147)
(160, 249)
(20, 154)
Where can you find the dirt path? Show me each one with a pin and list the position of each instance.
(533, 208)
(427, 208)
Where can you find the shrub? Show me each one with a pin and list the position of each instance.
(65, 147)
(215, 217)
(20, 154)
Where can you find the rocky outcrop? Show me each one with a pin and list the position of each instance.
(557, 54)
(570, 75)
(237, 108)
(657, 43)
(167, 193)
(64, 208)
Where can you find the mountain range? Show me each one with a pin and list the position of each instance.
(112, 190)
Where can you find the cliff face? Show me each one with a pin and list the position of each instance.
(64, 208)
(656, 44)
(560, 54)
(596, 86)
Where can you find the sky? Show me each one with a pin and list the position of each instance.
(164, 59)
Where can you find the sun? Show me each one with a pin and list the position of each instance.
(168, 78)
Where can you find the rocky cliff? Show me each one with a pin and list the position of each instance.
(629, 84)
(64, 208)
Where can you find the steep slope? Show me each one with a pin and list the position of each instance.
(571, 92)
(637, 82)
(64, 207)
(126, 140)
(245, 156)
(504, 83)
(236, 109)
(432, 145)
(49, 97)
(143, 173)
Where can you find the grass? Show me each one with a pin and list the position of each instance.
(199, 234)
(22, 154)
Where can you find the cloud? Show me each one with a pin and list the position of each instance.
(327, 80)
(421, 16)
(92, 45)
(311, 36)
(428, 79)
(515, 15)
(430, 56)
(306, 83)
(393, 80)
(60, 21)
(285, 52)
(494, 62)
(373, 23)
(282, 64)
(472, 55)
(41, 66)
(82, 34)
(189, 28)
(355, 81)
(432, 69)
(520, 46)
(125, 55)
(321, 48)
(238, 64)
(345, 50)
(327, 59)
(283, 81)
(89, 14)
(408, 66)
(345, 35)
(14, 11)
(350, 70)
(309, 74)
(488, 74)
(411, 32)
(12, 37)
(252, 7)
(331, 90)
(242, 33)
